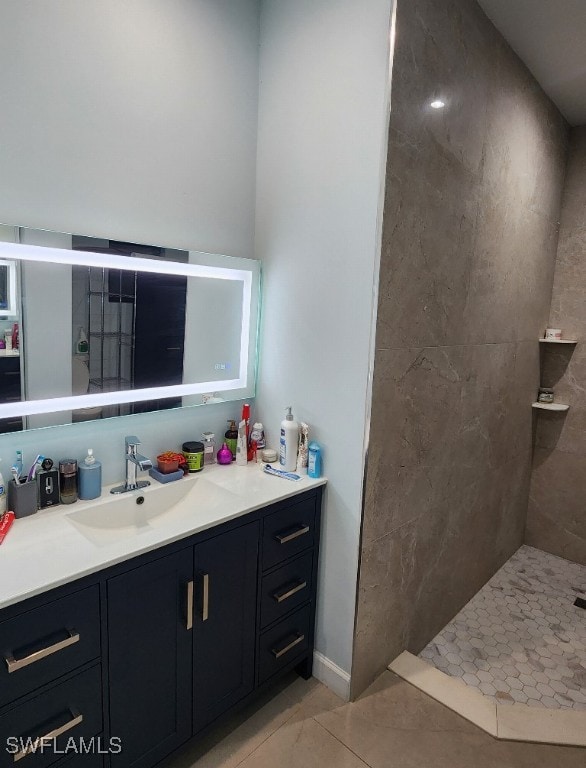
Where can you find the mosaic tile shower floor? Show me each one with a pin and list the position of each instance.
(521, 638)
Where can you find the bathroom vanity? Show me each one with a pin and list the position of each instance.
(145, 619)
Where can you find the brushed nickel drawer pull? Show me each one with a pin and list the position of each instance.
(32, 747)
(278, 652)
(189, 605)
(283, 538)
(14, 665)
(205, 607)
(280, 596)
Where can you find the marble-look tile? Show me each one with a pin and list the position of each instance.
(440, 415)
(535, 263)
(451, 691)
(408, 585)
(304, 743)
(564, 369)
(548, 726)
(521, 638)
(555, 519)
(574, 198)
(425, 259)
(393, 725)
(470, 231)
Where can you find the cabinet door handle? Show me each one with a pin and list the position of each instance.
(189, 605)
(205, 602)
(283, 538)
(280, 596)
(32, 747)
(14, 665)
(278, 652)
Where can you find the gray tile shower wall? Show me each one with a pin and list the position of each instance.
(556, 519)
(470, 232)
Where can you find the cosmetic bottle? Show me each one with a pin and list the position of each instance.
(209, 448)
(289, 442)
(242, 445)
(314, 468)
(68, 481)
(231, 437)
(224, 455)
(90, 477)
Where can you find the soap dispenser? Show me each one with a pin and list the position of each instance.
(90, 477)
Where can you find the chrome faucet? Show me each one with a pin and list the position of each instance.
(134, 462)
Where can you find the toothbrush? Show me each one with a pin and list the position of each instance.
(281, 473)
(33, 470)
(19, 463)
(15, 475)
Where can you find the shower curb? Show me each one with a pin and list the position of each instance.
(509, 722)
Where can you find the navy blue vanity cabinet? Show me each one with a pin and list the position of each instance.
(225, 622)
(149, 658)
(154, 651)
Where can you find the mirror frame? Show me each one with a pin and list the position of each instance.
(10, 310)
(18, 252)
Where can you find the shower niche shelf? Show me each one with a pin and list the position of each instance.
(558, 407)
(558, 341)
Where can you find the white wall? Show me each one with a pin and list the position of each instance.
(133, 120)
(323, 115)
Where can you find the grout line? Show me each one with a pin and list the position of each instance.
(343, 744)
(422, 347)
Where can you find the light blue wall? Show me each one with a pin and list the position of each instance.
(136, 121)
(158, 431)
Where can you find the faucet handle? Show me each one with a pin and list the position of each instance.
(131, 441)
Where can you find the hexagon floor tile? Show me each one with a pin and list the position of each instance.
(521, 638)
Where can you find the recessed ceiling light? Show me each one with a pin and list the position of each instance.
(437, 104)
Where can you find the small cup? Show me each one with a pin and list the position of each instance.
(22, 499)
(553, 334)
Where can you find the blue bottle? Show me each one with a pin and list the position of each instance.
(90, 477)
(314, 460)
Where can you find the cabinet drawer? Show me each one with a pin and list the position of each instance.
(91, 759)
(288, 532)
(286, 588)
(42, 644)
(69, 710)
(284, 643)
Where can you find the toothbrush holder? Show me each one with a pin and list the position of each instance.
(22, 499)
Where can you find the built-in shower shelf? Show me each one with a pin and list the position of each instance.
(551, 407)
(558, 341)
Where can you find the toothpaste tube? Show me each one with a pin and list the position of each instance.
(6, 521)
(280, 473)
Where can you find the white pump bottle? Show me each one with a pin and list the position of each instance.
(289, 442)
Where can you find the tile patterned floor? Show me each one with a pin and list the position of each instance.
(521, 639)
(392, 725)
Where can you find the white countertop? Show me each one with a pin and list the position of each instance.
(47, 550)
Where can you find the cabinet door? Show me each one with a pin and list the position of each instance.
(150, 658)
(225, 620)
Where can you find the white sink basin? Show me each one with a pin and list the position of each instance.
(124, 516)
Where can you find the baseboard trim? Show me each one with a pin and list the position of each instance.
(331, 675)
